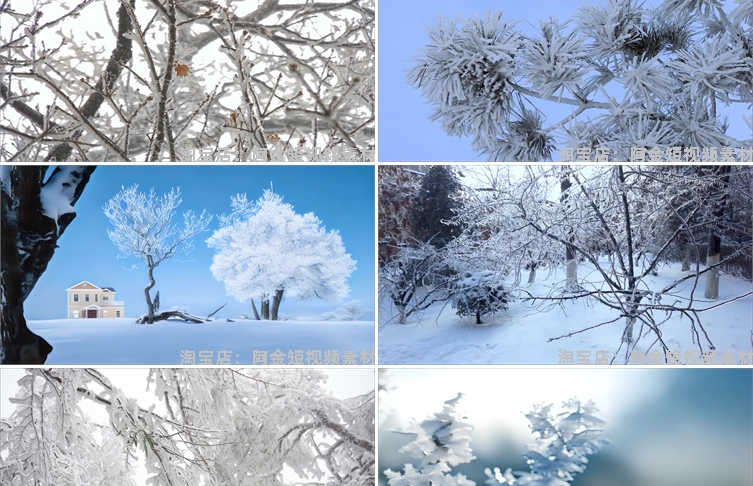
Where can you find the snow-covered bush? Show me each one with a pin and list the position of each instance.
(415, 278)
(479, 294)
(562, 445)
(349, 311)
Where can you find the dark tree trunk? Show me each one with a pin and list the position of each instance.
(256, 313)
(29, 240)
(478, 317)
(150, 307)
(264, 307)
(276, 303)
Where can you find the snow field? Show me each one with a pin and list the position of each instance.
(520, 335)
(122, 341)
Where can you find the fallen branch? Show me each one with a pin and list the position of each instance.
(163, 316)
(215, 312)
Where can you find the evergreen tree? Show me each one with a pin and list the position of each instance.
(435, 205)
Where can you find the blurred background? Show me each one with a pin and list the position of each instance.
(668, 427)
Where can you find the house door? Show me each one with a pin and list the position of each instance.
(91, 313)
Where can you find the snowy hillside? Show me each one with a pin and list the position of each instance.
(121, 341)
(521, 334)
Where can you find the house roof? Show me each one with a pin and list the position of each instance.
(86, 285)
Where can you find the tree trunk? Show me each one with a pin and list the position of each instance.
(29, 240)
(713, 255)
(276, 303)
(478, 317)
(401, 311)
(264, 307)
(256, 313)
(571, 266)
(685, 254)
(532, 272)
(149, 304)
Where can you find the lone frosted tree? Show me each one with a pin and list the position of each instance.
(626, 77)
(144, 228)
(266, 249)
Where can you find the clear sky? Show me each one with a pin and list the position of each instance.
(342, 197)
(405, 132)
(667, 427)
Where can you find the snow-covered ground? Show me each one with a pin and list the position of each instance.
(122, 341)
(520, 334)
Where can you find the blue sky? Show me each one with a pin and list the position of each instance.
(667, 427)
(405, 132)
(342, 197)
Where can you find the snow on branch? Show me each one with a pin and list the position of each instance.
(629, 76)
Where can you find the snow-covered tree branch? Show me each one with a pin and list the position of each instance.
(442, 441)
(630, 76)
(218, 427)
(227, 81)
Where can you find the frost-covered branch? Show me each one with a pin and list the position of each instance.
(442, 441)
(633, 77)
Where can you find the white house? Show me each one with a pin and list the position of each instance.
(86, 300)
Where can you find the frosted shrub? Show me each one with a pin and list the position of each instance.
(479, 294)
(563, 441)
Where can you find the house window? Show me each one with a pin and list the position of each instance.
(96, 297)
(75, 314)
(104, 297)
(87, 298)
(75, 297)
(117, 313)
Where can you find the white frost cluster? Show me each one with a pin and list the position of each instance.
(442, 440)
(265, 247)
(564, 440)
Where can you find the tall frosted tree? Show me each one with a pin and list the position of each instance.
(435, 206)
(265, 249)
(629, 76)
